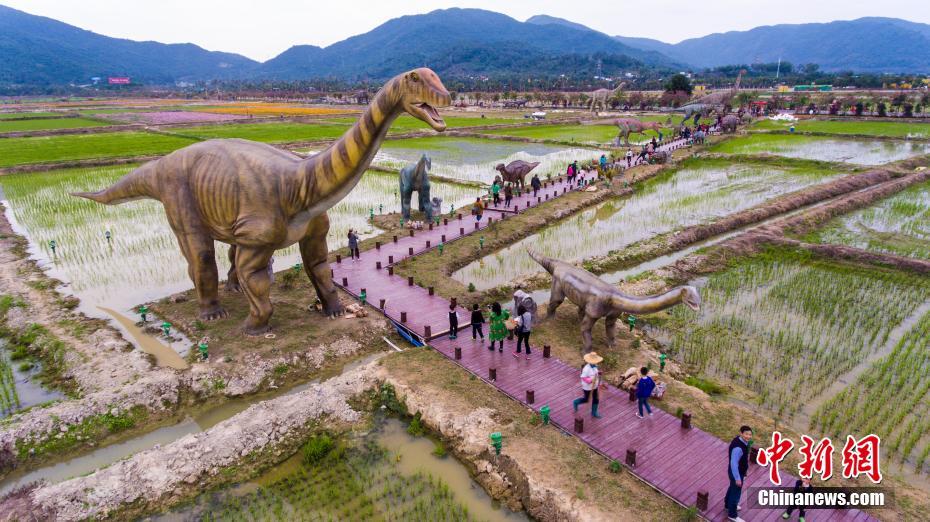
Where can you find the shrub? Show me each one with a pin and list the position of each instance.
(471, 287)
(440, 450)
(416, 427)
(317, 448)
(615, 466)
(707, 386)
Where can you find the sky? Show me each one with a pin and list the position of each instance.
(261, 29)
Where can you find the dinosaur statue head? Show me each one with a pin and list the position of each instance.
(422, 92)
(691, 297)
(501, 168)
(425, 162)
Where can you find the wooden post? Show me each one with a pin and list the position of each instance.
(490, 220)
(390, 260)
(409, 280)
(338, 258)
(632, 394)
(445, 221)
(458, 353)
(427, 332)
(377, 245)
(530, 396)
(454, 302)
(427, 244)
(411, 232)
(460, 217)
(538, 200)
(443, 238)
(476, 225)
(403, 317)
(686, 421)
(395, 238)
(547, 351)
(430, 226)
(461, 231)
(631, 458)
(492, 374)
(391, 270)
(703, 501)
(381, 304)
(431, 291)
(378, 265)
(410, 251)
(753, 454)
(345, 281)
(579, 425)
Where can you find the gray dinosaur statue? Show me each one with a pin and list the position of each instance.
(415, 177)
(595, 298)
(729, 123)
(631, 125)
(600, 97)
(516, 170)
(714, 102)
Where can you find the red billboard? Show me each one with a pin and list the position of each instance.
(118, 80)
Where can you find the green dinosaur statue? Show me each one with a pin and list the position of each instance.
(258, 198)
(597, 298)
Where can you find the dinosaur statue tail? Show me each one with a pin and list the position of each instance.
(140, 183)
(542, 260)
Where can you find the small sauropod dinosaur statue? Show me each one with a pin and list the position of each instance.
(597, 298)
(258, 198)
(631, 125)
(415, 177)
(515, 171)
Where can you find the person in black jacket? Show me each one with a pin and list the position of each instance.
(737, 467)
(802, 485)
(453, 322)
(477, 323)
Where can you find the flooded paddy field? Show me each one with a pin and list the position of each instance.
(406, 123)
(695, 193)
(897, 225)
(272, 132)
(474, 159)
(53, 149)
(855, 151)
(889, 129)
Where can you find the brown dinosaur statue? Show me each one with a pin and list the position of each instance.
(601, 97)
(631, 125)
(258, 198)
(596, 298)
(516, 170)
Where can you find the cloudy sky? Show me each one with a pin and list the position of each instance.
(260, 29)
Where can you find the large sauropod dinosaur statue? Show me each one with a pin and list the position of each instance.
(596, 298)
(630, 125)
(258, 198)
(516, 171)
(415, 177)
(601, 97)
(729, 123)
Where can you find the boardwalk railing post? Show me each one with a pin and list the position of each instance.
(703, 501)
(461, 231)
(547, 352)
(403, 317)
(381, 304)
(632, 394)
(427, 244)
(445, 221)
(411, 232)
(427, 332)
(430, 226)
(579, 425)
(686, 421)
(345, 281)
(454, 302)
(410, 251)
(390, 270)
(458, 353)
(378, 265)
(492, 374)
(431, 291)
(631, 458)
(377, 245)
(395, 238)
(476, 225)
(443, 238)
(460, 217)
(338, 258)
(409, 280)
(390, 260)
(530, 396)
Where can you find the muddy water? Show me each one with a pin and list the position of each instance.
(28, 390)
(859, 152)
(472, 159)
(689, 196)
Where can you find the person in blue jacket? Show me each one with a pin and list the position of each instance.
(737, 468)
(644, 390)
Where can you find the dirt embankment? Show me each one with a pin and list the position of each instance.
(164, 474)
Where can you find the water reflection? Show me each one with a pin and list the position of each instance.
(859, 152)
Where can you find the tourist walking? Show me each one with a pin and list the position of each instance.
(644, 390)
(536, 184)
(590, 382)
(603, 163)
(477, 323)
(453, 322)
(737, 467)
(523, 331)
(570, 173)
(496, 193)
(477, 209)
(353, 245)
(498, 328)
(508, 195)
(802, 485)
(629, 158)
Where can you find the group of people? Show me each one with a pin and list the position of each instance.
(502, 326)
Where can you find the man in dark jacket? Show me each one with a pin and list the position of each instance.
(737, 467)
(536, 184)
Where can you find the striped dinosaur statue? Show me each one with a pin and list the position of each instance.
(596, 298)
(258, 198)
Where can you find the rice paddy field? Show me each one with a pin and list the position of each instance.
(28, 115)
(786, 326)
(898, 225)
(274, 132)
(39, 124)
(142, 262)
(890, 129)
(695, 193)
(474, 159)
(855, 151)
(406, 123)
(9, 398)
(51, 149)
(587, 134)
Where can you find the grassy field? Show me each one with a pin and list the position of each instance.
(785, 326)
(50, 149)
(407, 123)
(20, 125)
(898, 225)
(891, 129)
(824, 148)
(267, 132)
(597, 134)
(26, 115)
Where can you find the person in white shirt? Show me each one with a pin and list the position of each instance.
(590, 382)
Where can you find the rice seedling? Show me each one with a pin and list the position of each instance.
(785, 326)
(142, 261)
(273, 109)
(894, 129)
(49, 149)
(889, 399)
(859, 152)
(275, 132)
(898, 225)
(19, 125)
(28, 115)
(406, 123)
(9, 398)
(698, 192)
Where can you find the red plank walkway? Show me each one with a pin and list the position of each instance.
(678, 462)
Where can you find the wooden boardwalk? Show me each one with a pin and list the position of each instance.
(677, 462)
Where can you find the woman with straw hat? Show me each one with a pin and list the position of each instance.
(590, 381)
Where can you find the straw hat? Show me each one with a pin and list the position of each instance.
(592, 358)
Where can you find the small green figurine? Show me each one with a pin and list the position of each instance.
(53, 245)
(662, 358)
(166, 328)
(363, 296)
(632, 321)
(143, 311)
(440, 246)
(203, 349)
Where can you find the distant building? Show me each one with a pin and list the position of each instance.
(813, 88)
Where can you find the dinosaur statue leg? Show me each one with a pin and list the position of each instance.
(556, 296)
(252, 269)
(586, 325)
(610, 325)
(197, 247)
(313, 251)
(232, 279)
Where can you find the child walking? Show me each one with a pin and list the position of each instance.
(477, 323)
(644, 390)
(498, 328)
(453, 322)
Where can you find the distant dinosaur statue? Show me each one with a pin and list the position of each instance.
(258, 198)
(729, 123)
(596, 298)
(710, 103)
(721, 97)
(631, 125)
(600, 97)
(415, 177)
(516, 171)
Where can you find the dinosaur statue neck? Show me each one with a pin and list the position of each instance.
(328, 176)
(646, 304)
